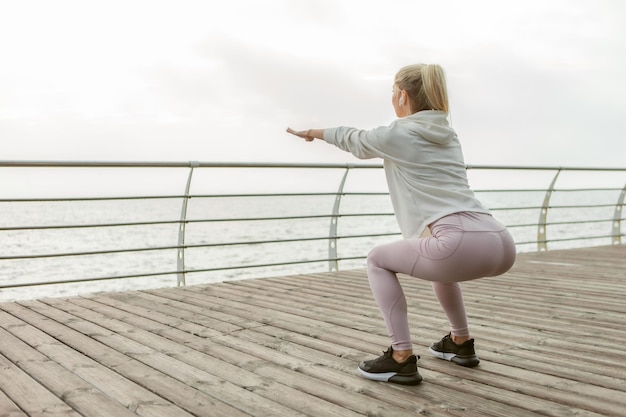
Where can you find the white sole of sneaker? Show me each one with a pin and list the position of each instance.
(392, 377)
(441, 355)
(468, 362)
(384, 377)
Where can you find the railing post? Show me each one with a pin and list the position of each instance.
(333, 265)
(182, 226)
(542, 230)
(616, 231)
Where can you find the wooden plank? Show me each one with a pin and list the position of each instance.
(8, 408)
(30, 396)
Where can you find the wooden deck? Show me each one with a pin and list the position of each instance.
(551, 335)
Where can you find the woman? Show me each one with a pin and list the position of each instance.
(448, 236)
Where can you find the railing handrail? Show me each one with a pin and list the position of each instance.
(205, 164)
(175, 164)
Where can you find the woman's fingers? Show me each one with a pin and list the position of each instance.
(302, 134)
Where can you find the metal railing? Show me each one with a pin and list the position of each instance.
(519, 213)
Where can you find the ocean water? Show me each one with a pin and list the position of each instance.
(234, 240)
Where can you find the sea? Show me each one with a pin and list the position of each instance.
(226, 236)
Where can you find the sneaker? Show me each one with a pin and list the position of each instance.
(386, 369)
(462, 354)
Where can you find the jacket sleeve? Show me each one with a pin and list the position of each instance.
(364, 144)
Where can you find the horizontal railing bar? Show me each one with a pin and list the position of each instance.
(77, 281)
(278, 218)
(164, 197)
(541, 168)
(198, 246)
(513, 226)
(582, 206)
(529, 242)
(89, 253)
(349, 258)
(568, 239)
(153, 197)
(368, 235)
(320, 194)
(294, 240)
(515, 208)
(584, 189)
(534, 242)
(316, 216)
(510, 226)
(513, 190)
(265, 195)
(73, 199)
(30, 200)
(83, 226)
(186, 164)
(58, 282)
(310, 239)
(220, 220)
(550, 207)
(579, 222)
(541, 190)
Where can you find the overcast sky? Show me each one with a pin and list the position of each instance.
(531, 82)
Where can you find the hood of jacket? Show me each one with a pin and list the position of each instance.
(432, 125)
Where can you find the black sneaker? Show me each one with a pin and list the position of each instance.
(386, 369)
(462, 354)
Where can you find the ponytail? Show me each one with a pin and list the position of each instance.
(434, 81)
(425, 85)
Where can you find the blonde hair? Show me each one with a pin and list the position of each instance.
(425, 85)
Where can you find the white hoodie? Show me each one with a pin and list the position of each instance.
(423, 163)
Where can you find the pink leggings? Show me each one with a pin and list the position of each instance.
(463, 246)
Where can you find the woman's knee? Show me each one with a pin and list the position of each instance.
(385, 256)
(399, 256)
(375, 256)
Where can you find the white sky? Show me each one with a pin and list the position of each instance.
(534, 82)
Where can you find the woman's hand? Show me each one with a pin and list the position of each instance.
(308, 135)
